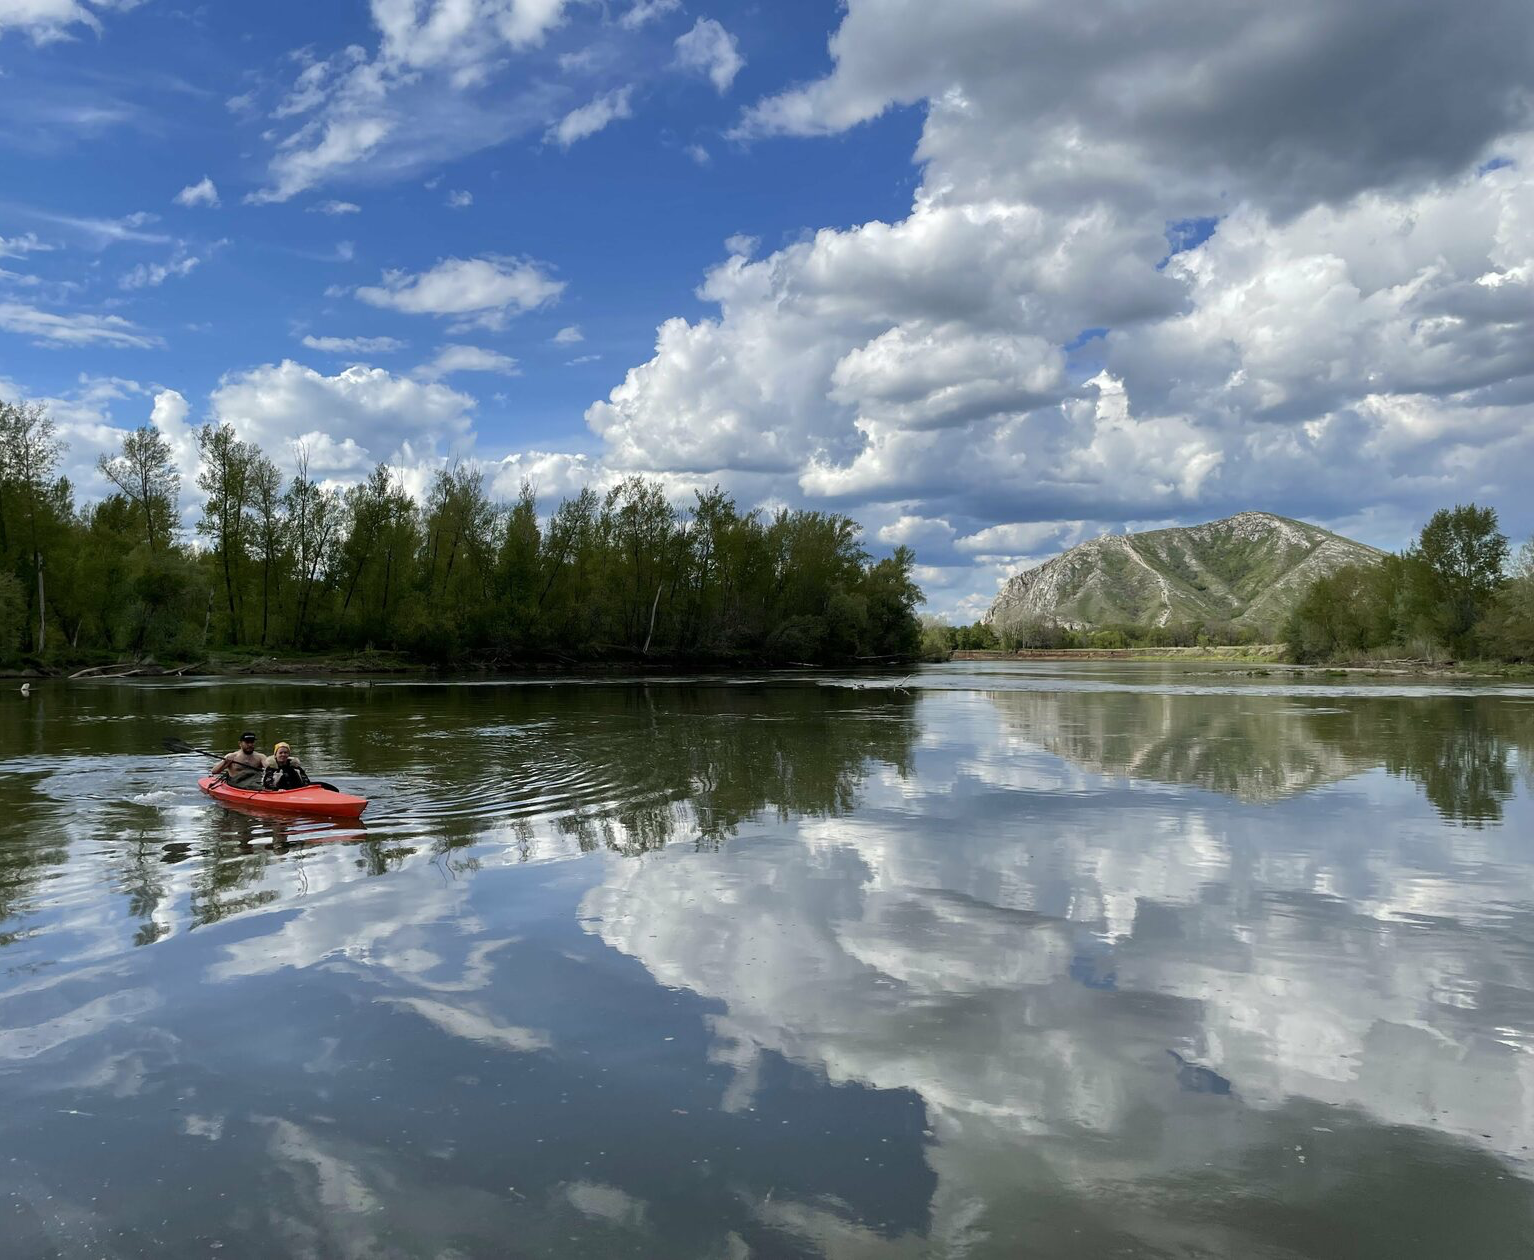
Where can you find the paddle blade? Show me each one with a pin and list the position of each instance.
(181, 746)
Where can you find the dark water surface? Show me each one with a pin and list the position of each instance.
(1061, 962)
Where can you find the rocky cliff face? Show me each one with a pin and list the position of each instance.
(1249, 569)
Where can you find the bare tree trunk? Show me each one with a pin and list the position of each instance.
(351, 586)
(653, 607)
(234, 629)
(144, 491)
(42, 610)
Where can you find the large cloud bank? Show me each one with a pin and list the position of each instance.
(1163, 263)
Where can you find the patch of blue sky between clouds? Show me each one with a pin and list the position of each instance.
(1185, 234)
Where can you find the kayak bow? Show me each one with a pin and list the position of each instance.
(316, 801)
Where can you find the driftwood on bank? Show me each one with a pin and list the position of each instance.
(127, 669)
(96, 671)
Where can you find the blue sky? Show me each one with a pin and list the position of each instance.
(628, 219)
(991, 280)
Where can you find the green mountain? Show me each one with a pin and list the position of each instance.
(1249, 569)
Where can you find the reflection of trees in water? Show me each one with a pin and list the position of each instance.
(141, 878)
(1464, 755)
(1462, 750)
(239, 850)
(35, 843)
(1342, 1059)
(705, 761)
(651, 763)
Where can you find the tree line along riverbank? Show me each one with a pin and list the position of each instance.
(289, 569)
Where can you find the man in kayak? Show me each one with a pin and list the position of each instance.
(244, 767)
(283, 771)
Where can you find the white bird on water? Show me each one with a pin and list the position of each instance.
(26, 689)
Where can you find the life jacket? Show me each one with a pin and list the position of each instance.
(280, 778)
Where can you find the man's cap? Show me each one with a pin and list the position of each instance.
(247, 735)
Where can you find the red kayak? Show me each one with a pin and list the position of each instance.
(317, 802)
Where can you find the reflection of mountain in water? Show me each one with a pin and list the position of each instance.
(1345, 984)
(1255, 747)
(993, 974)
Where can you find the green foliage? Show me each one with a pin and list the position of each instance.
(1507, 632)
(1457, 573)
(937, 639)
(1340, 613)
(458, 577)
(1447, 595)
(979, 637)
(13, 616)
(36, 508)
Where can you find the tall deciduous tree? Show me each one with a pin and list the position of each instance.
(145, 474)
(1460, 556)
(30, 451)
(315, 515)
(225, 479)
(267, 526)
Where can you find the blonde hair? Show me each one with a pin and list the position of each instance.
(281, 744)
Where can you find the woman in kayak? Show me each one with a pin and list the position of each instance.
(244, 767)
(283, 771)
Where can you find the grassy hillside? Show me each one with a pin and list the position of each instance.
(1248, 570)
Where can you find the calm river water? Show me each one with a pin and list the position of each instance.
(1088, 961)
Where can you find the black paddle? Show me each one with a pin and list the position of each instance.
(181, 746)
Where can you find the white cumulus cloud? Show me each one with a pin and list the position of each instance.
(642, 12)
(348, 422)
(48, 20)
(710, 50)
(1333, 322)
(482, 290)
(152, 275)
(588, 119)
(202, 193)
(458, 358)
(353, 345)
(420, 96)
(310, 155)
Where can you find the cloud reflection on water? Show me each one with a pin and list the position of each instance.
(817, 923)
